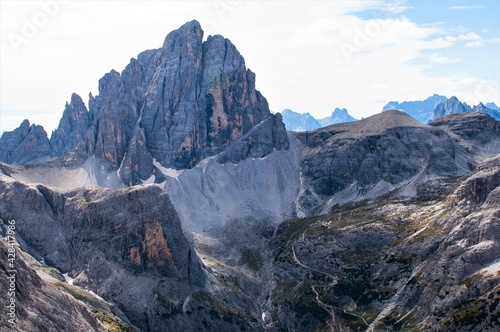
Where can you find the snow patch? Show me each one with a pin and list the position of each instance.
(170, 172)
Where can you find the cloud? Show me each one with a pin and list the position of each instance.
(441, 59)
(465, 7)
(474, 44)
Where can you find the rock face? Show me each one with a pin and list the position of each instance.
(178, 104)
(28, 143)
(259, 142)
(479, 129)
(381, 224)
(45, 302)
(121, 244)
(38, 306)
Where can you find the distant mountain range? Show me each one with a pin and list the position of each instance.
(425, 111)
(437, 106)
(304, 121)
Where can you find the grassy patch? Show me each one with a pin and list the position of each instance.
(298, 296)
(218, 310)
(112, 325)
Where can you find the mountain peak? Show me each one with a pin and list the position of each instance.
(25, 124)
(339, 115)
(451, 106)
(187, 33)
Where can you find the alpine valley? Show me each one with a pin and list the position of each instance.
(178, 202)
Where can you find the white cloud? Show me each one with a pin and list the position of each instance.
(465, 7)
(441, 59)
(474, 44)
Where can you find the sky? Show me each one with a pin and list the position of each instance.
(309, 56)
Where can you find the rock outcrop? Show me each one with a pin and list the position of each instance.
(126, 245)
(476, 128)
(45, 302)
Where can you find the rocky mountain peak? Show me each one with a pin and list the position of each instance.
(188, 31)
(175, 105)
(25, 144)
(339, 115)
(72, 127)
(450, 106)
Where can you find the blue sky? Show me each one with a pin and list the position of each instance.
(309, 56)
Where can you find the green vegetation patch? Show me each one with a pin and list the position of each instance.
(299, 297)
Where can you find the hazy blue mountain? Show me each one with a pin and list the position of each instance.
(299, 121)
(454, 106)
(339, 115)
(420, 110)
(450, 106)
(304, 121)
(481, 108)
(492, 106)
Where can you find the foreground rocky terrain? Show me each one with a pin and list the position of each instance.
(179, 202)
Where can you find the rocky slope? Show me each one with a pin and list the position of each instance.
(44, 301)
(426, 263)
(127, 246)
(367, 260)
